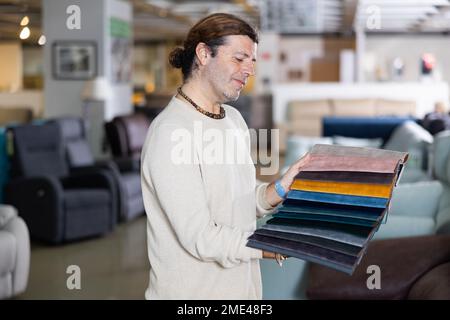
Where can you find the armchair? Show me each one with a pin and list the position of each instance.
(14, 253)
(126, 135)
(127, 183)
(57, 205)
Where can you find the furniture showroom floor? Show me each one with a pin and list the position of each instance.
(111, 267)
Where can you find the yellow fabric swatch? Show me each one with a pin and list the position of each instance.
(349, 188)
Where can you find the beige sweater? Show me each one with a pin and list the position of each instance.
(200, 213)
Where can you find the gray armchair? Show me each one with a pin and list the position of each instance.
(423, 208)
(14, 253)
(124, 174)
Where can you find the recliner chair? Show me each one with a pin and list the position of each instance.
(126, 136)
(56, 205)
(14, 253)
(80, 159)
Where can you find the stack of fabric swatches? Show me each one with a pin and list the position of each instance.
(335, 205)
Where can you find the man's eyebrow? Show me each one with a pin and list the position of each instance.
(245, 55)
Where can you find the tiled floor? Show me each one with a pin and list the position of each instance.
(112, 267)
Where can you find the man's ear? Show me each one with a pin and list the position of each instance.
(202, 53)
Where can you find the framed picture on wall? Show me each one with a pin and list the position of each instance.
(74, 60)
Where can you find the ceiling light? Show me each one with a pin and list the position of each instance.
(25, 20)
(42, 40)
(25, 33)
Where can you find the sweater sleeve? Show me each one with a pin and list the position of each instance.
(262, 206)
(179, 188)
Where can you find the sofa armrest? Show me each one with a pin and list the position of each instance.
(419, 199)
(7, 213)
(39, 201)
(418, 256)
(434, 285)
(17, 227)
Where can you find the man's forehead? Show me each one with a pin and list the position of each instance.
(240, 44)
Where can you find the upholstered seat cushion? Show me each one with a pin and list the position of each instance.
(78, 198)
(434, 285)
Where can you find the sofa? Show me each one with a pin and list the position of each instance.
(423, 207)
(14, 253)
(410, 268)
(305, 117)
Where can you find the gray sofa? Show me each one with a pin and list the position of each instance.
(14, 253)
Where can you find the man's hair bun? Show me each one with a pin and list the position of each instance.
(176, 57)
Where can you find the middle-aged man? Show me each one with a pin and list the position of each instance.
(201, 207)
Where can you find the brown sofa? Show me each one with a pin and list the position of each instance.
(410, 268)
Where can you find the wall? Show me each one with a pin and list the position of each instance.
(383, 49)
(11, 66)
(63, 97)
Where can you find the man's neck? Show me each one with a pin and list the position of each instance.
(201, 95)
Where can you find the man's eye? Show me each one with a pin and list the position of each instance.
(240, 60)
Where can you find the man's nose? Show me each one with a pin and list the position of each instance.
(249, 69)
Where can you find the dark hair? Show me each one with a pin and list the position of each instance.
(212, 31)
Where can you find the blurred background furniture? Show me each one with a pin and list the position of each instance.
(126, 180)
(416, 268)
(56, 205)
(15, 115)
(423, 207)
(14, 253)
(126, 136)
(391, 133)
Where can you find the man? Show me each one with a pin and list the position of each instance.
(201, 208)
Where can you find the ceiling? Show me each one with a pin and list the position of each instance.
(170, 19)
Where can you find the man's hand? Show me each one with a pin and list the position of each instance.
(286, 181)
(288, 178)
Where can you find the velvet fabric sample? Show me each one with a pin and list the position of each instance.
(334, 150)
(324, 217)
(372, 214)
(317, 241)
(338, 199)
(350, 234)
(347, 176)
(334, 206)
(342, 262)
(356, 189)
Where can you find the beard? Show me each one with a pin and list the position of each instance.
(230, 97)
